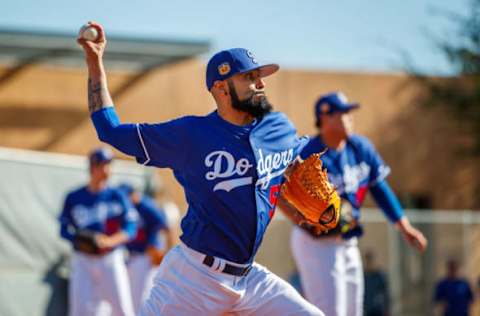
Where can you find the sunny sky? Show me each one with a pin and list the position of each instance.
(346, 35)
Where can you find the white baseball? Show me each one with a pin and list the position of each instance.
(88, 33)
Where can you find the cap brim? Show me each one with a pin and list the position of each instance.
(100, 161)
(349, 107)
(265, 70)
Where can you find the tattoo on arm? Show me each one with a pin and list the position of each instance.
(97, 95)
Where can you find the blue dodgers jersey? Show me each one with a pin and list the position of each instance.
(151, 220)
(352, 170)
(107, 212)
(231, 176)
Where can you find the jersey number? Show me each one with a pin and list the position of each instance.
(273, 196)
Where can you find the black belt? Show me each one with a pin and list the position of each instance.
(229, 269)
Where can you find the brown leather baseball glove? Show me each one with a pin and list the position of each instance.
(308, 190)
(85, 241)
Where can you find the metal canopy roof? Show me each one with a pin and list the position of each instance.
(20, 47)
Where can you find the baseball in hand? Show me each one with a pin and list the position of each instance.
(88, 33)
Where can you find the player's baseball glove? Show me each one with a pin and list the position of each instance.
(307, 189)
(85, 241)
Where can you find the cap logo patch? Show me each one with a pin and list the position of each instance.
(224, 69)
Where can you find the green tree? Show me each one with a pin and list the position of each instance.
(459, 93)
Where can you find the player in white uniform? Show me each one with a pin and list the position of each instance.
(330, 265)
(230, 164)
(99, 282)
(146, 251)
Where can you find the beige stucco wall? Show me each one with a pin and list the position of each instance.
(44, 107)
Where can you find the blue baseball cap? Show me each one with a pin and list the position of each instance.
(100, 155)
(332, 103)
(233, 61)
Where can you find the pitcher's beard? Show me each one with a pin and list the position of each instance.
(257, 105)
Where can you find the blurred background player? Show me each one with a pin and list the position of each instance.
(100, 277)
(376, 288)
(330, 265)
(159, 192)
(154, 238)
(453, 295)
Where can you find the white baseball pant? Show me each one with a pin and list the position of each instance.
(184, 286)
(141, 273)
(330, 271)
(99, 285)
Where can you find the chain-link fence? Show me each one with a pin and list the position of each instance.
(411, 276)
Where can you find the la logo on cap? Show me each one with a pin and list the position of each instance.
(224, 69)
(250, 55)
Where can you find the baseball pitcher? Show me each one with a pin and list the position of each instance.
(231, 164)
